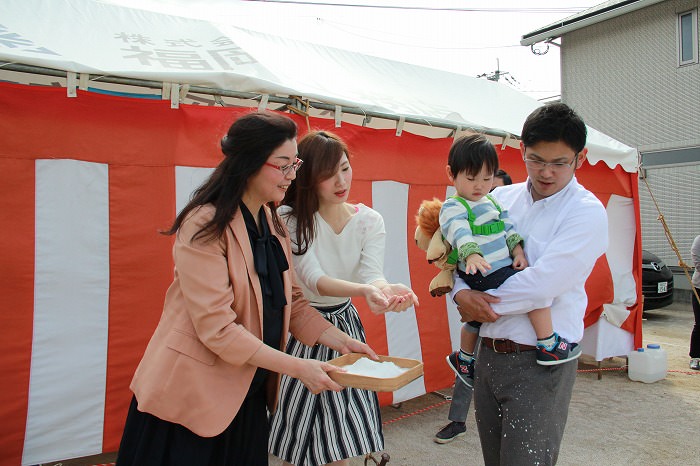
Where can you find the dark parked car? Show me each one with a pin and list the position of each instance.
(657, 282)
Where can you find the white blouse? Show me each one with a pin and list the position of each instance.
(356, 254)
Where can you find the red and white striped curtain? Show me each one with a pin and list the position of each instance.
(86, 184)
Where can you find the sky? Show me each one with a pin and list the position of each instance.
(471, 37)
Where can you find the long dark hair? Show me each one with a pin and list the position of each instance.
(247, 145)
(321, 152)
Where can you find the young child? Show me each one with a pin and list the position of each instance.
(488, 248)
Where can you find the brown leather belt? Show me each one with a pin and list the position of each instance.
(505, 346)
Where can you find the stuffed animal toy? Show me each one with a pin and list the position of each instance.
(437, 251)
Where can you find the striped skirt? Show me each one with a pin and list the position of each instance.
(310, 430)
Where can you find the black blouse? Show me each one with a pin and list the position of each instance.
(270, 262)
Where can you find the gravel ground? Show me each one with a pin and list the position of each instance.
(612, 421)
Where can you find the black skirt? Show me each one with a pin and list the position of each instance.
(149, 440)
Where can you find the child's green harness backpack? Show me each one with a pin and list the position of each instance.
(483, 230)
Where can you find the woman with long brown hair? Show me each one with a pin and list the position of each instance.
(211, 370)
(338, 254)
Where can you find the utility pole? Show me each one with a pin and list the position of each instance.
(496, 75)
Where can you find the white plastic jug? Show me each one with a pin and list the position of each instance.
(647, 365)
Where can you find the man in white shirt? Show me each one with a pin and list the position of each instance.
(521, 407)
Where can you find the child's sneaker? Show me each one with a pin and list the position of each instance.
(465, 371)
(562, 352)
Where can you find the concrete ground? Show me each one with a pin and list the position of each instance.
(612, 421)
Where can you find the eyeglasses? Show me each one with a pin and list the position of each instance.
(287, 168)
(554, 166)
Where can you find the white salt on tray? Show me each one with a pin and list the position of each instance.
(382, 370)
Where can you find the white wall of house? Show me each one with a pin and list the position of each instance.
(622, 75)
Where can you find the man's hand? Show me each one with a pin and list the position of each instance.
(476, 305)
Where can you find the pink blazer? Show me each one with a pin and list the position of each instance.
(195, 369)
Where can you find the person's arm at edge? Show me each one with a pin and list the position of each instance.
(695, 253)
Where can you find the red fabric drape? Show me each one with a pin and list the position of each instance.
(142, 141)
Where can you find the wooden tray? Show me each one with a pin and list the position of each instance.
(377, 384)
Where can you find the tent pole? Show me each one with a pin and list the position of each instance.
(21, 68)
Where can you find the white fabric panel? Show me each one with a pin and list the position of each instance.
(620, 253)
(69, 355)
(615, 314)
(604, 340)
(453, 317)
(187, 179)
(390, 199)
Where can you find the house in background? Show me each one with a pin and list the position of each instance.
(630, 67)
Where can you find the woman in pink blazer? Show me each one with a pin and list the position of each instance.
(211, 370)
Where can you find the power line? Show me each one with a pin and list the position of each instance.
(350, 29)
(426, 8)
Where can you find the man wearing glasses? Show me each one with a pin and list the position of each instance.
(521, 407)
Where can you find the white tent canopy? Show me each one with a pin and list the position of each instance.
(82, 257)
(102, 39)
